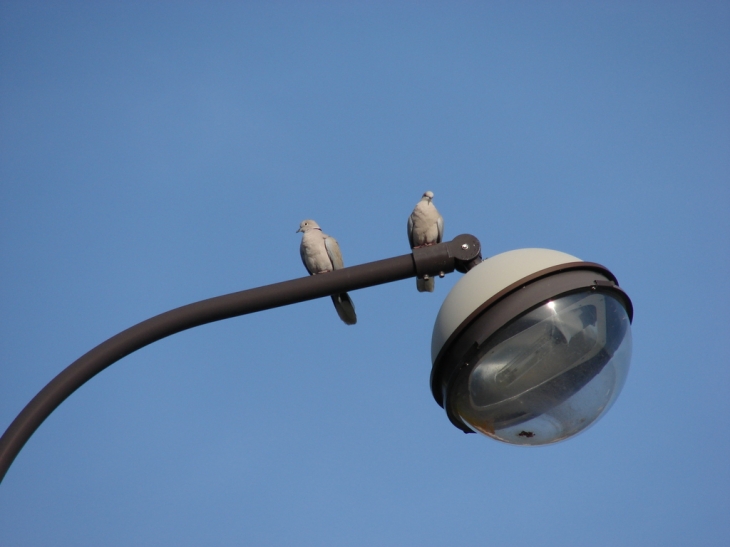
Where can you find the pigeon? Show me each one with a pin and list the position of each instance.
(321, 254)
(425, 227)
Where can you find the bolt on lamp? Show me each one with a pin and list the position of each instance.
(530, 346)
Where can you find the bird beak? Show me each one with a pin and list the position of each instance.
(299, 230)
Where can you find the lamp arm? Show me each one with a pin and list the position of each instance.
(433, 260)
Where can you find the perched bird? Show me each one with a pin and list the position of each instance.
(425, 227)
(321, 254)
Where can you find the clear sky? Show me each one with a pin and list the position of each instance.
(153, 154)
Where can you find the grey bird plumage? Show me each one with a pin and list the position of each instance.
(320, 254)
(425, 227)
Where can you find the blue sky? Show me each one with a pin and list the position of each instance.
(155, 153)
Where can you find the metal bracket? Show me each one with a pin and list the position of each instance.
(461, 254)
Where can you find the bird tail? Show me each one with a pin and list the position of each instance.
(425, 285)
(345, 308)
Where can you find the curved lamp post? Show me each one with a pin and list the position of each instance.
(520, 378)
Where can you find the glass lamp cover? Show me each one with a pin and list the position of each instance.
(549, 374)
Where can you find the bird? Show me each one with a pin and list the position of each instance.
(425, 227)
(321, 254)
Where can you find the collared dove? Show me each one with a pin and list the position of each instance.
(425, 227)
(321, 254)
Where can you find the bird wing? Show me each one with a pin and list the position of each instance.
(333, 251)
(440, 224)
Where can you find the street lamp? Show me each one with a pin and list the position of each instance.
(531, 347)
(473, 326)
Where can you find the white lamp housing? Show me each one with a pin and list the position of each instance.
(531, 347)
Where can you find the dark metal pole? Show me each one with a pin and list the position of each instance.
(433, 260)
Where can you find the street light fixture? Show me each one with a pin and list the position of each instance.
(531, 347)
(526, 342)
